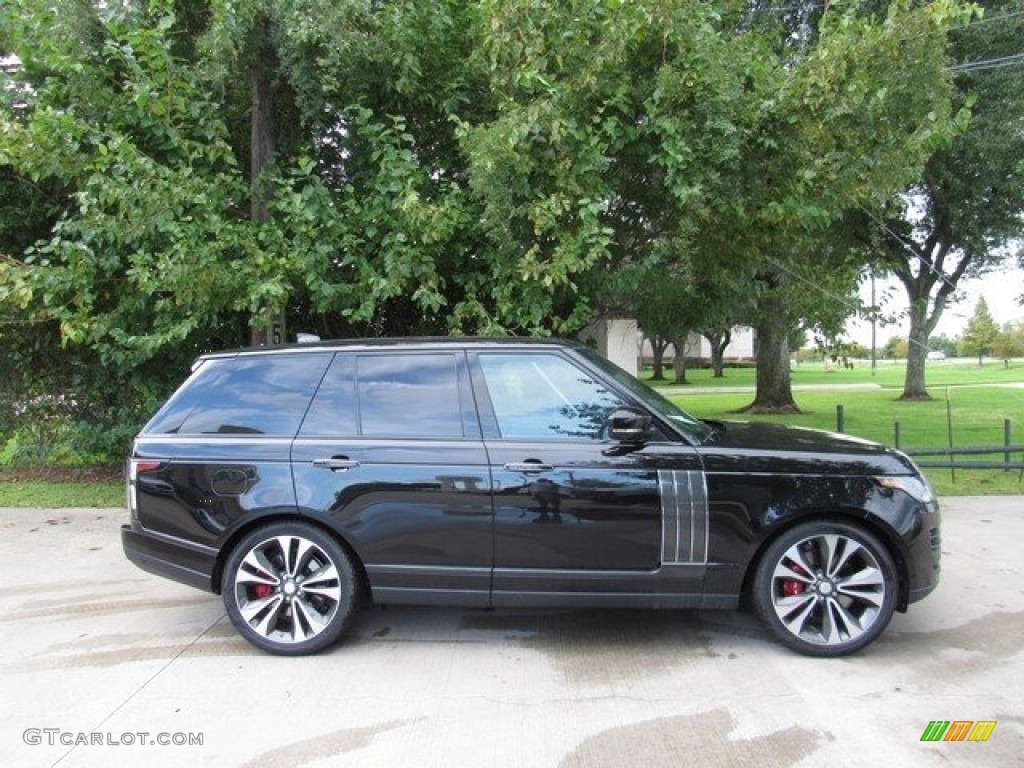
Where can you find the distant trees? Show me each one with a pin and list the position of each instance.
(981, 334)
(1009, 343)
(981, 338)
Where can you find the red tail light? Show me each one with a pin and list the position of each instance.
(138, 467)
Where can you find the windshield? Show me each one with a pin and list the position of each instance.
(655, 401)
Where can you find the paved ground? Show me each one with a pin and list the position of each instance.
(91, 648)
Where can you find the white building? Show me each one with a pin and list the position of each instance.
(622, 342)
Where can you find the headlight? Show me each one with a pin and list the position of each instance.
(916, 487)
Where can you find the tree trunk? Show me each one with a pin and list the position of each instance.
(262, 139)
(774, 392)
(925, 311)
(917, 353)
(679, 360)
(718, 342)
(658, 346)
(261, 154)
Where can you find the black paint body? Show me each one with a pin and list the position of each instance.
(472, 517)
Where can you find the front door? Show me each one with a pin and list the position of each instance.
(576, 513)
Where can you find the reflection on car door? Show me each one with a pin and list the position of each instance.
(574, 512)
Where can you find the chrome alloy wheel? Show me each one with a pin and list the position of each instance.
(289, 589)
(826, 589)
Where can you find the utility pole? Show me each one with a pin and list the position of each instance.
(874, 322)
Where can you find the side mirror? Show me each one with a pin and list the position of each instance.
(629, 425)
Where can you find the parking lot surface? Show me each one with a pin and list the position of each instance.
(104, 665)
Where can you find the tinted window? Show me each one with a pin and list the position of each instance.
(333, 411)
(538, 396)
(408, 395)
(265, 395)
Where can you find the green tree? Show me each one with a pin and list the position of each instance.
(981, 334)
(944, 344)
(646, 132)
(860, 102)
(963, 216)
(445, 166)
(671, 303)
(896, 348)
(149, 250)
(567, 170)
(130, 141)
(390, 235)
(132, 250)
(1009, 343)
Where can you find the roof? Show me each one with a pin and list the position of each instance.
(406, 342)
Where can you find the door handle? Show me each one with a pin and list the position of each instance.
(335, 464)
(531, 466)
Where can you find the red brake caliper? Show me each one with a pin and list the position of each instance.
(792, 587)
(261, 591)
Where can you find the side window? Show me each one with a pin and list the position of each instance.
(538, 396)
(333, 412)
(259, 395)
(408, 395)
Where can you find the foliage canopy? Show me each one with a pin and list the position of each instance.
(445, 167)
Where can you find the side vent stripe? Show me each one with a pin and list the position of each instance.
(684, 517)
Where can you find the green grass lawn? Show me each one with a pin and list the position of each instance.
(49, 494)
(980, 400)
(888, 374)
(977, 414)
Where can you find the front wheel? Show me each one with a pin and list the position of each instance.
(825, 588)
(289, 588)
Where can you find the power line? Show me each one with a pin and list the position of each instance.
(983, 64)
(816, 286)
(969, 66)
(842, 300)
(908, 247)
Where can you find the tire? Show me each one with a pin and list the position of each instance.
(290, 588)
(825, 588)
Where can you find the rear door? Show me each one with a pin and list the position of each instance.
(391, 455)
(576, 515)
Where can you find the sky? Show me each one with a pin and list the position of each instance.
(1001, 290)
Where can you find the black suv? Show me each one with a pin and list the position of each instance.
(297, 481)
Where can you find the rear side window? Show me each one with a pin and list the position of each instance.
(409, 396)
(259, 395)
(333, 412)
(397, 395)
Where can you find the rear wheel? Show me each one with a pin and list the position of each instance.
(825, 588)
(289, 588)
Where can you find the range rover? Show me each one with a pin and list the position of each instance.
(298, 482)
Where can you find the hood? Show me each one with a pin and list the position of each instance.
(760, 447)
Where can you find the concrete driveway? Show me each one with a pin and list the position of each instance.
(104, 665)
